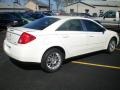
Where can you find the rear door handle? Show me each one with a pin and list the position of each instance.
(91, 36)
(65, 36)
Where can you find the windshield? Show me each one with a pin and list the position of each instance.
(41, 23)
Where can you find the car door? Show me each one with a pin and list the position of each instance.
(73, 37)
(95, 35)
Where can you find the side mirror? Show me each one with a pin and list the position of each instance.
(104, 17)
(98, 21)
(103, 30)
(14, 23)
(25, 21)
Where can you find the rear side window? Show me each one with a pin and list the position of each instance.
(71, 25)
(42, 23)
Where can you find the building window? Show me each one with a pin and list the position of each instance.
(87, 11)
(70, 1)
(71, 10)
(101, 13)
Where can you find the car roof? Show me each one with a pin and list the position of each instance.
(67, 17)
(71, 17)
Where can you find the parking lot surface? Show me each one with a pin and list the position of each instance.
(96, 71)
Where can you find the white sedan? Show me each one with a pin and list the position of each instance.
(50, 40)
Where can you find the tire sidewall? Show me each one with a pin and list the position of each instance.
(44, 60)
(108, 49)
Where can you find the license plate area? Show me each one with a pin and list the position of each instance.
(12, 37)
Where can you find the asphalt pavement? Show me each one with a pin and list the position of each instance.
(96, 71)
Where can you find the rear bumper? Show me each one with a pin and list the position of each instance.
(20, 53)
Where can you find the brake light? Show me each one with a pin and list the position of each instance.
(26, 38)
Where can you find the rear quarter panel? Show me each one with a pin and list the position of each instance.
(45, 41)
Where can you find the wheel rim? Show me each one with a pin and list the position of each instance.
(112, 46)
(53, 61)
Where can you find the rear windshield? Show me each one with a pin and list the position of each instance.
(41, 23)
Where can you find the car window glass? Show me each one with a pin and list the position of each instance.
(41, 23)
(91, 26)
(15, 17)
(71, 25)
(110, 14)
(4, 16)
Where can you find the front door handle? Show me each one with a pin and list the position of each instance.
(114, 19)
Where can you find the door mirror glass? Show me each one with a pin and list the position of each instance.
(103, 17)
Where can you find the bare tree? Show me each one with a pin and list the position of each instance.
(58, 3)
(65, 2)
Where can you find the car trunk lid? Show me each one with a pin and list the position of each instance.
(13, 34)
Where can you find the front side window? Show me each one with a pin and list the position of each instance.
(41, 24)
(91, 26)
(71, 25)
(110, 14)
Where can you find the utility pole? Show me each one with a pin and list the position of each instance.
(77, 8)
(14, 3)
(51, 8)
(49, 5)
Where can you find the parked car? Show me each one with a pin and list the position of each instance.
(110, 20)
(48, 13)
(24, 16)
(7, 19)
(52, 39)
(86, 15)
(12, 19)
(37, 15)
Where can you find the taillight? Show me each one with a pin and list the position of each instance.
(26, 38)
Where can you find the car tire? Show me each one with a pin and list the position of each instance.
(52, 60)
(111, 46)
